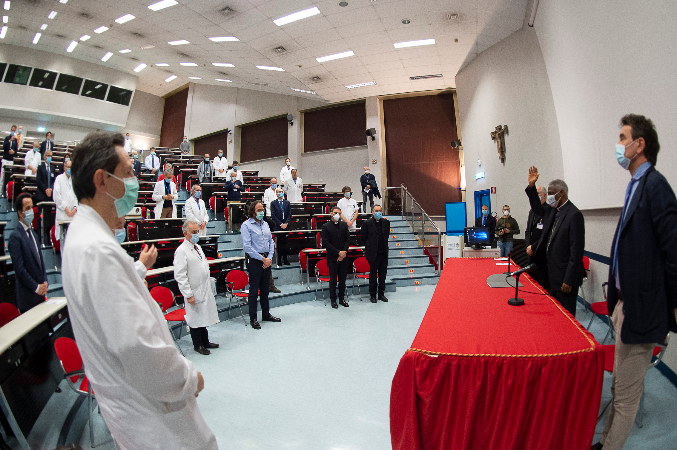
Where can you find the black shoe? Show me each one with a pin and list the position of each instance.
(372, 299)
(212, 345)
(597, 446)
(255, 324)
(343, 303)
(333, 304)
(287, 263)
(271, 318)
(383, 298)
(274, 290)
(201, 350)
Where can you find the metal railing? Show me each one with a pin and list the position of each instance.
(399, 201)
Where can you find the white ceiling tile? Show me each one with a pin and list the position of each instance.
(385, 65)
(417, 52)
(353, 16)
(318, 38)
(424, 70)
(423, 61)
(360, 28)
(328, 48)
(311, 25)
(255, 31)
(374, 49)
(391, 73)
(380, 57)
(280, 8)
(368, 39)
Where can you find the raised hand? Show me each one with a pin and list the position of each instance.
(533, 175)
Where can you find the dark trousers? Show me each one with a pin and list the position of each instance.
(540, 275)
(568, 301)
(282, 249)
(337, 270)
(377, 273)
(369, 194)
(259, 280)
(200, 336)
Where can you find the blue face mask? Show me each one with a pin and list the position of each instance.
(35, 149)
(206, 159)
(259, 215)
(68, 159)
(198, 194)
(378, 215)
(280, 194)
(234, 167)
(120, 235)
(48, 159)
(220, 155)
(20, 130)
(620, 156)
(125, 203)
(274, 185)
(11, 134)
(68, 171)
(485, 212)
(195, 238)
(29, 216)
(347, 194)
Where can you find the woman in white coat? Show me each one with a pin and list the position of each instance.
(191, 272)
(195, 209)
(165, 195)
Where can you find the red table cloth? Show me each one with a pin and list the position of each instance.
(483, 375)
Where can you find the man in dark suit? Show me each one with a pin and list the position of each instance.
(47, 144)
(487, 221)
(9, 149)
(375, 232)
(562, 242)
(642, 296)
(367, 192)
(24, 248)
(336, 239)
(45, 179)
(136, 164)
(280, 213)
(531, 237)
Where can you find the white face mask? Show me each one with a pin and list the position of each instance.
(552, 201)
(288, 163)
(506, 213)
(367, 171)
(336, 217)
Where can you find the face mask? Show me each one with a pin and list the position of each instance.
(66, 159)
(127, 137)
(485, 212)
(120, 235)
(288, 163)
(29, 216)
(198, 194)
(620, 156)
(367, 172)
(378, 215)
(68, 172)
(347, 194)
(506, 213)
(185, 140)
(232, 180)
(206, 159)
(195, 238)
(220, 155)
(234, 167)
(35, 149)
(552, 201)
(336, 217)
(259, 215)
(152, 153)
(48, 159)
(11, 134)
(125, 203)
(274, 185)
(280, 194)
(135, 156)
(20, 130)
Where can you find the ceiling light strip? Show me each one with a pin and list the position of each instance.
(72, 46)
(336, 56)
(353, 86)
(297, 16)
(414, 43)
(162, 5)
(278, 69)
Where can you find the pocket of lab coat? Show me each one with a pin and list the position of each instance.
(201, 294)
(212, 284)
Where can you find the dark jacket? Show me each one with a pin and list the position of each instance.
(565, 255)
(370, 237)
(490, 223)
(234, 190)
(533, 233)
(29, 267)
(42, 181)
(510, 227)
(137, 168)
(335, 238)
(43, 147)
(276, 213)
(6, 146)
(647, 262)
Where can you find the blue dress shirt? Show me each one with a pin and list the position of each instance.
(257, 239)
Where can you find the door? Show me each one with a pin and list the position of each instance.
(482, 198)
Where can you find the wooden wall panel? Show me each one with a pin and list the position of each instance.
(262, 140)
(174, 119)
(335, 127)
(211, 144)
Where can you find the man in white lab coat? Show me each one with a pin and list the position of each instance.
(128, 144)
(269, 195)
(191, 272)
(293, 187)
(238, 174)
(195, 209)
(146, 390)
(285, 173)
(220, 166)
(64, 197)
(32, 159)
(165, 195)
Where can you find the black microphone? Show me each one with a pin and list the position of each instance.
(528, 268)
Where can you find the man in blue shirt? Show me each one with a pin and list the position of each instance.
(259, 247)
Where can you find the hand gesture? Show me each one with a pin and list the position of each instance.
(148, 256)
(533, 175)
(48, 192)
(530, 252)
(342, 255)
(267, 262)
(191, 300)
(33, 170)
(283, 226)
(200, 383)
(566, 288)
(42, 288)
(203, 225)
(500, 233)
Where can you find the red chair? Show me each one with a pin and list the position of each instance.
(8, 312)
(303, 259)
(236, 281)
(71, 362)
(144, 211)
(10, 195)
(165, 298)
(56, 244)
(361, 270)
(601, 309)
(36, 218)
(586, 268)
(321, 274)
(131, 232)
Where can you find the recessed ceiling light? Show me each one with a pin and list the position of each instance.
(189, 64)
(125, 50)
(5, 19)
(63, 1)
(3, 32)
(162, 65)
(37, 38)
(147, 47)
(125, 18)
(343, 4)
(140, 67)
(279, 69)
(223, 65)
(107, 56)
(85, 37)
(179, 42)
(170, 78)
(72, 46)
(7, 5)
(414, 43)
(353, 86)
(297, 16)
(52, 15)
(43, 27)
(303, 90)
(195, 78)
(224, 39)
(336, 56)
(225, 81)
(162, 5)
(406, 21)
(100, 30)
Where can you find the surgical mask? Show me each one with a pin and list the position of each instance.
(66, 159)
(68, 171)
(135, 156)
(185, 140)
(198, 194)
(280, 194)
(232, 179)
(367, 172)
(125, 203)
(127, 137)
(220, 154)
(288, 163)
(259, 215)
(620, 156)
(20, 130)
(29, 216)
(120, 235)
(195, 238)
(11, 134)
(234, 167)
(152, 153)
(274, 185)
(206, 159)
(336, 217)
(552, 201)
(506, 213)
(347, 194)
(378, 215)
(35, 149)
(48, 159)
(485, 212)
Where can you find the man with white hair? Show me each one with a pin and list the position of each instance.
(220, 166)
(293, 187)
(195, 209)
(269, 195)
(32, 159)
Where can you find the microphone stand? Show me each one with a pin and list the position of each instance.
(509, 264)
(516, 301)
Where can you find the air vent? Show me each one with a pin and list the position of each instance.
(60, 36)
(227, 11)
(425, 77)
(138, 35)
(315, 79)
(223, 73)
(183, 54)
(279, 49)
(22, 27)
(84, 15)
(452, 16)
(98, 47)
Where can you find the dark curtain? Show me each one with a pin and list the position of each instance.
(335, 127)
(174, 119)
(266, 139)
(211, 144)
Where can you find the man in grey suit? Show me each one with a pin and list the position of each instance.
(184, 146)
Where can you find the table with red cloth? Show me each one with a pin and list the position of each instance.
(483, 375)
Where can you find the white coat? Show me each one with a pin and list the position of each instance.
(128, 145)
(63, 197)
(238, 176)
(32, 159)
(348, 207)
(294, 190)
(220, 163)
(196, 211)
(269, 196)
(158, 192)
(144, 387)
(285, 174)
(191, 272)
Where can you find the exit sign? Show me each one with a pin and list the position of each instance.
(479, 175)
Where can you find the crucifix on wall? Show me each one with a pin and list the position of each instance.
(498, 135)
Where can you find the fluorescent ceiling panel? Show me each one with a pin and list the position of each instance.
(223, 65)
(279, 69)
(224, 39)
(52, 15)
(37, 38)
(353, 86)
(336, 56)
(414, 43)
(72, 46)
(162, 5)
(140, 67)
(107, 56)
(179, 42)
(100, 30)
(170, 78)
(125, 18)
(297, 16)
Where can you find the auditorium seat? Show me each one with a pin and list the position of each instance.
(321, 275)
(236, 281)
(165, 298)
(56, 244)
(361, 270)
(8, 312)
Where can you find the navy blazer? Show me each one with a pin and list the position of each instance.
(234, 190)
(137, 168)
(43, 147)
(41, 179)
(7, 146)
(647, 262)
(29, 267)
(276, 213)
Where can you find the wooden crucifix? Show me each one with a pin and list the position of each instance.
(498, 135)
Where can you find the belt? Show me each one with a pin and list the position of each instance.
(248, 258)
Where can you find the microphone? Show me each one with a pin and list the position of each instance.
(528, 268)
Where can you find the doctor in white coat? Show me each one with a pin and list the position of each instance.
(191, 272)
(220, 166)
(195, 209)
(64, 197)
(164, 195)
(293, 187)
(32, 159)
(285, 172)
(146, 390)
(269, 195)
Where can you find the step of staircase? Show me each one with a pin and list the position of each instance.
(415, 279)
(404, 251)
(406, 242)
(410, 269)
